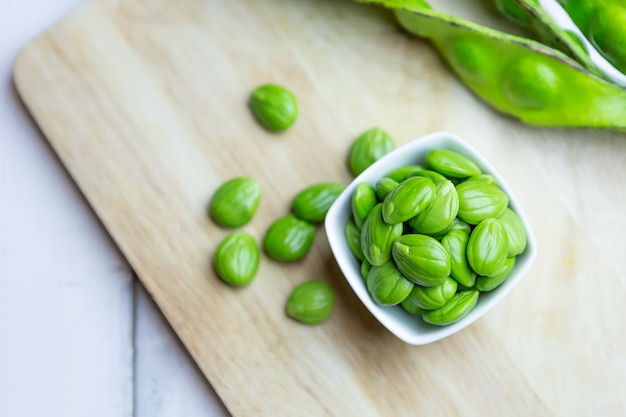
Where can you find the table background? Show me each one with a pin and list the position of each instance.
(79, 336)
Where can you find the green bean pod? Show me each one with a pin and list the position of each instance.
(517, 76)
(603, 22)
(530, 14)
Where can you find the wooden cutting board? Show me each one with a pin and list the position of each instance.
(145, 104)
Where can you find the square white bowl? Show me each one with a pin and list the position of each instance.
(410, 328)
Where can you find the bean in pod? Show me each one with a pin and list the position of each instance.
(520, 77)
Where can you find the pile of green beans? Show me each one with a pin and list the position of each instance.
(550, 82)
(432, 236)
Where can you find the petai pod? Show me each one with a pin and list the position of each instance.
(459, 306)
(440, 211)
(369, 147)
(530, 14)
(363, 201)
(430, 298)
(491, 283)
(451, 164)
(235, 201)
(312, 203)
(455, 242)
(311, 302)
(480, 200)
(517, 76)
(487, 248)
(422, 259)
(353, 237)
(386, 284)
(603, 22)
(288, 238)
(377, 237)
(515, 231)
(408, 199)
(236, 259)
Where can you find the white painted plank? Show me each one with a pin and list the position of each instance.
(167, 381)
(65, 293)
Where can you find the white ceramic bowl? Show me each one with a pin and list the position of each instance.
(409, 328)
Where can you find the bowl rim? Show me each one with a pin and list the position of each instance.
(395, 318)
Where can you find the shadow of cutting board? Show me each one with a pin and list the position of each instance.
(145, 104)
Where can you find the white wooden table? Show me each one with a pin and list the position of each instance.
(78, 334)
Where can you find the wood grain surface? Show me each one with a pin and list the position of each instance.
(145, 104)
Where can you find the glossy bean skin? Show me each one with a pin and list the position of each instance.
(451, 164)
(384, 186)
(408, 199)
(515, 231)
(363, 201)
(459, 306)
(377, 237)
(440, 211)
(430, 298)
(311, 302)
(402, 173)
(274, 107)
(422, 259)
(353, 237)
(455, 242)
(517, 76)
(369, 147)
(288, 238)
(480, 200)
(312, 203)
(235, 202)
(386, 284)
(487, 247)
(491, 283)
(603, 22)
(236, 259)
